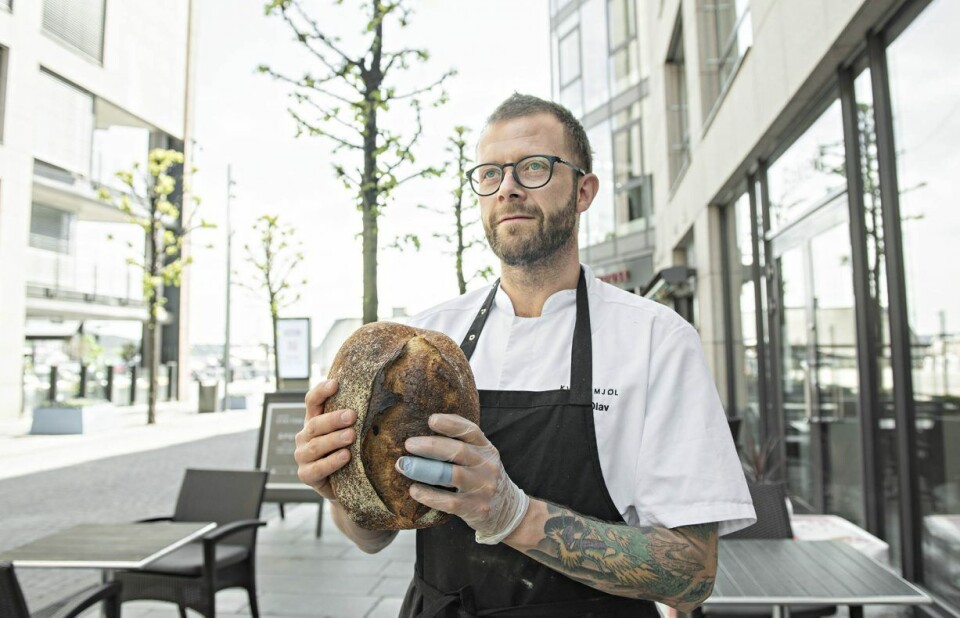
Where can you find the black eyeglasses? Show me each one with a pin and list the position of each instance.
(530, 172)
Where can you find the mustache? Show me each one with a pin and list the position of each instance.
(514, 210)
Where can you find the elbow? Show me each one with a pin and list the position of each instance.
(695, 597)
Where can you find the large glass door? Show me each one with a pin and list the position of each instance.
(818, 377)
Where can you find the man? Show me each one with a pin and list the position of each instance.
(603, 467)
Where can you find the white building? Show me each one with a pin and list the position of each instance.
(796, 162)
(87, 87)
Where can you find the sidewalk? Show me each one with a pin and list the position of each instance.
(47, 479)
(176, 422)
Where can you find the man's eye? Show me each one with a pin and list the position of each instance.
(489, 174)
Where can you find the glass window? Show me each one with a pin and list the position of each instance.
(678, 127)
(571, 91)
(51, 228)
(726, 32)
(78, 23)
(926, 108)
(570, 57)
(598, 224)
(623, 46)
(810, 172)
(596, 90)
(63, 132)
(744, 314)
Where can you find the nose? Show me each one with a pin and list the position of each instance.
(509, 187)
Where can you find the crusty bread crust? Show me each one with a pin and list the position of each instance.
(394, 376)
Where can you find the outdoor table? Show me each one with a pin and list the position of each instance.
(784, 572)
(106, 546)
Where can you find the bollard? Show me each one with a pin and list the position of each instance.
(111, 371)
(134, 370)
(52, 393)
(82, 388)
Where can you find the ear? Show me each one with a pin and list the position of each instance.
(588, 187)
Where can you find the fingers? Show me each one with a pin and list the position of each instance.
(327, 432)
(322, 447)
(317, 396)
(456, 426)
(429, 471)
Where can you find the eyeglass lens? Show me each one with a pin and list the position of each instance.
(532, 173)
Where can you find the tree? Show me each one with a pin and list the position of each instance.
(162, 263)
(344, 102)
(460, 238)
(275, 260)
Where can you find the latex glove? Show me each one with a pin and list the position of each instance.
(486, 499)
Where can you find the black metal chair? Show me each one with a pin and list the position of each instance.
(773, 522)
(224, 558)
(14, 605)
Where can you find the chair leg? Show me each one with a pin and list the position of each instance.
(252, 596)
(182, 610)
(111, 607)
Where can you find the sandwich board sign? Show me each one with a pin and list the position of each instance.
(283, 415)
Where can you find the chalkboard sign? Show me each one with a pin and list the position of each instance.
(283, 415)
(282, 418)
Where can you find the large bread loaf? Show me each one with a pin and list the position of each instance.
(394, 377)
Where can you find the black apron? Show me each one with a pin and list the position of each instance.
(548, 447)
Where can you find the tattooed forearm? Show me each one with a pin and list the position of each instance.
(673, 566)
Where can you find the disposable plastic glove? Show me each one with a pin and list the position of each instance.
(485, 499)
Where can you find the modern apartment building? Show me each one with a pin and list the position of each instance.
(791, 168)
(87, 87)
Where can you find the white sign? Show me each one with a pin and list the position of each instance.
(293, 348)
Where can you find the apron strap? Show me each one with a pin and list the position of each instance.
(581, 352)
(469, 343)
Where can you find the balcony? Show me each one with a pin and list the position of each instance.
(64, 286)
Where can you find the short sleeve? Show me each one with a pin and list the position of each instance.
(688, 471)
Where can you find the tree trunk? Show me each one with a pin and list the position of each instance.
(370, 181)
(153, 305)
(276, 354)
(154, 332)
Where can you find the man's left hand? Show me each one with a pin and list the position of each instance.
(485, 499)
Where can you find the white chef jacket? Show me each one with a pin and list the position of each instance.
(665, 447)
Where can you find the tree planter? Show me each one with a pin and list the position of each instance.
(64, 420)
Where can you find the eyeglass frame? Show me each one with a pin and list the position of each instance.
(553, 159)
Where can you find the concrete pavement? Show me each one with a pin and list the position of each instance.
(131, 471)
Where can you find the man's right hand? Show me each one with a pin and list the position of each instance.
(323, 445)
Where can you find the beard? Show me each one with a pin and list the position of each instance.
(518, 248)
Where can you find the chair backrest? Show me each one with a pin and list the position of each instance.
(222, 496)
(12, 603)
(773, 520)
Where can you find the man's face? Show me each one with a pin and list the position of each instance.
(529, 226)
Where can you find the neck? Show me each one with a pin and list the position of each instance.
(529, 286)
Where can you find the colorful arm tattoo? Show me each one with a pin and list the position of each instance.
(673, 566)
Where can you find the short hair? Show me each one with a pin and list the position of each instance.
(522, 105)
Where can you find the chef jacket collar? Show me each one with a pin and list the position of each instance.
(557, 301)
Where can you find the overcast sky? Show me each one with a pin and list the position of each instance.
(498, 46)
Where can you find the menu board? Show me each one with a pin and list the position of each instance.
(293, 348)
(282, 418)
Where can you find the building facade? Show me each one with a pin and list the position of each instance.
(87, 87)
(800, 162)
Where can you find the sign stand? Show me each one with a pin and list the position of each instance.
(283, 415)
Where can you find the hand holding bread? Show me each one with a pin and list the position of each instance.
(322, 446)
(485, 498)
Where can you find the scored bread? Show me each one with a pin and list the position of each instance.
(394, 376)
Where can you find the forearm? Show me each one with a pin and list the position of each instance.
(672, 566)
(369, 541)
